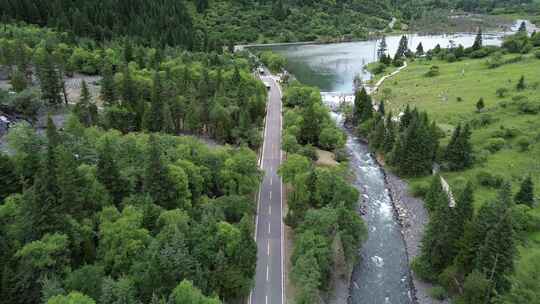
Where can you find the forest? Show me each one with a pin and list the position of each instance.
(205, 25)
(113, 206)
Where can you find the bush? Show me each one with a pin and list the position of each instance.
(433, 71)
(26, 103)
(527, 107)
(523, 143)
(309, 151)
(537, 54)
(420, 189)
(438, 293)
(487, 179)
(378, 68)
(495, 144)
(422, 269)
(501, 92)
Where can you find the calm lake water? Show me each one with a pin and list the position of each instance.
(332, 67)
(382, 276)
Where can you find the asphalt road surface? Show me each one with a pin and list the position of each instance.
(269, 225)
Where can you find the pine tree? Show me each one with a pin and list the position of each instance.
(10, 182)
(521, 84)
(363, 107)
(440, 241)
(70, 183)
(18, 81)
(154, 119)
(522, 28)
(381, 108)
(376, 137)
(420, 50)
(53, 138)
(156, 178)
(108, 173)
(390, 134)
(480, 104)
(458, 153)
(108, 90)
(383, 47)
(49, 79)
(402, 48)
(128, 90)
(525, 194)
(85, 109)
(405, 119)
(478, 40)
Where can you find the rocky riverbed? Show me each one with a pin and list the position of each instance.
(413, 218)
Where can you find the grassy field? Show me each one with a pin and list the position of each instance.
(451, 97)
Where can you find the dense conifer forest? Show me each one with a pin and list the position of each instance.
(203, 25)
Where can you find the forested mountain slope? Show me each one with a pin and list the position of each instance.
(203, 24)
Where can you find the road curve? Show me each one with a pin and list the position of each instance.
(268, 287)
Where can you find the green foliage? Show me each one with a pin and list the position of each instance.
(433, 71)
(525, 288)
(71, 298)
(185, 292)
(274, 61)
(9, 183)
(525, 195)
(458, 152)
(363, 107)
(438, 293)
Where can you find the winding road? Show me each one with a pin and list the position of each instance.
(268, 287)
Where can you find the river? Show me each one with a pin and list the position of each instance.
(382, 275)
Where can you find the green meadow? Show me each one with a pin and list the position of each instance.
(505, 133)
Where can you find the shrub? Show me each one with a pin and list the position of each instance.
(501, 92)
(438, 293)
(537, 54)
(523, 143)
(433, 71)
(527, 107)
(495, 60)
(487, 179)
(422, 269)
(378, 68)
(419, 189)
(495, 144)
(309, 151)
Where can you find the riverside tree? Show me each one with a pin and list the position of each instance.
(525, 195)
(458, 153)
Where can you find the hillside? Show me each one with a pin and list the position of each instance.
(498, 98)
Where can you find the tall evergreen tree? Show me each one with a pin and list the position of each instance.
(458, 153)
(49, 79)
(85, 109)
(363, 107)
(390, 134)
(525, 194)
(478, 40)
(108, 173)
(108, 90)
(420, 49)
(157, 182)
(382, 48)
(402, 48)
(154, 119)
(129, 96)
(10, 182)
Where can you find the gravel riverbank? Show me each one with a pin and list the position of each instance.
(413, 218)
